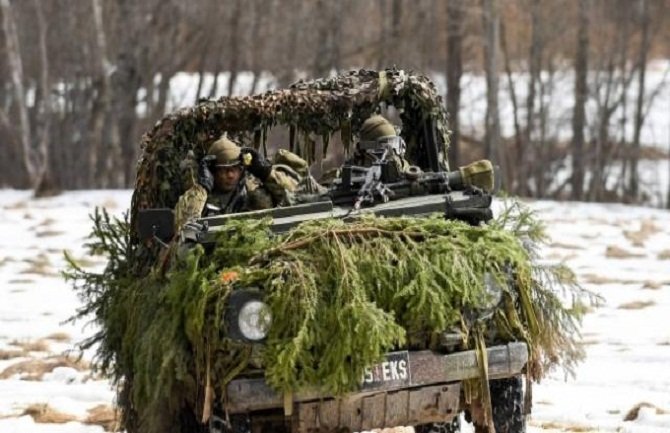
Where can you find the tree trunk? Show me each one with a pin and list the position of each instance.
(521, 186)
(337, 18)
(321, 65)
(623, 14)
(493, 143)
(581, 94)
(16, 70)
(256, 52)
(382, 50)
(396, 46)
(234, 46)
(101, 104)
(44, 183)
(639, 114)
(454, 73)
(535, 61)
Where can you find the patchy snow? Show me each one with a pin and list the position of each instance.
(627, 339)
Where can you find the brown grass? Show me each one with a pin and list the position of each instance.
(104, 416)
(49, 233)
(563, 426)
(110, 203)
(561, 257)
(40, 265)
(664, 255)
(62, 337)
(652, 285)
(636, 305)
(634, 412)
(17, 205)
(600, 279)
(35, 369)
(48, 222)
(566, 246)
(639, 237)
(32, 345)
(84, 262)
(43, 414)
(614, 252)
(21, 281)
(10, 354)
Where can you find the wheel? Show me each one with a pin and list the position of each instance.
(507, 403)
(238, 424)
(454, 426)
(244, 424)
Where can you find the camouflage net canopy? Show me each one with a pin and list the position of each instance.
(312, 110)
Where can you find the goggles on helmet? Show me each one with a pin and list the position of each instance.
(392, 142)
(229, 165)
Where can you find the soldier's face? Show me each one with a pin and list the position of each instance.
(226, 178)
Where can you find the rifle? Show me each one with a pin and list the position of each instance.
(381, 182)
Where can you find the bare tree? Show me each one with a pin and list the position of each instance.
(639, 117)
(454, 73)
(101, 114)
(234, 45)
(35, 148)
(45, 184)
(535, 61)
(581, 95)
(493, 144)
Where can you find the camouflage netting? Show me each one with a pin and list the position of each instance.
(311, 109)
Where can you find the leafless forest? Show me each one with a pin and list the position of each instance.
(75, 72)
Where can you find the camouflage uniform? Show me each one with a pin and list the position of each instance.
(374, 130)
(249, 194)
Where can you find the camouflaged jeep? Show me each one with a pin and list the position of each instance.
(420, 388)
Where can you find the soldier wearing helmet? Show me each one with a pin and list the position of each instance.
(376, 137)
(232, 179)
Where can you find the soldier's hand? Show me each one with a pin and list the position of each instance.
(255, 163)
(205, 176)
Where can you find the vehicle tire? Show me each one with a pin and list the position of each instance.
(238, 424)
(454, 426)
(246, 424)
(507, 403)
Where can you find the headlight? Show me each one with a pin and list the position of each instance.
(247, 317)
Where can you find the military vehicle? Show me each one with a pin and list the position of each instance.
(410, 387)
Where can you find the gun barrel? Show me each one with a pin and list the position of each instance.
(455, 180)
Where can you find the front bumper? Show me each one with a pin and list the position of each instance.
(431, 395)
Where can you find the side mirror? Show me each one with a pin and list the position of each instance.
(155, 224)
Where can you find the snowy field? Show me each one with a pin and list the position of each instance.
(622, 253)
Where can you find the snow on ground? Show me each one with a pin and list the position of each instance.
(620, 252)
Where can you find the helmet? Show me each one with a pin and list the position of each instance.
(377, 134)
(227, 153)
(376, 127)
